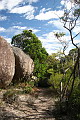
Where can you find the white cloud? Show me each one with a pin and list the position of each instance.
(2, 5)
(14, 6)
(31, 1)
(58, 25)
(23, 9)
(14, 30)
(19, 27)
(67, 3)
(49, 15)
(28, 11)
(3, 18)
(50, 37)
(60, 28)
(13, 3)
(76, 29)
(34, 30)
(25, 28)
(62, 2)
(10, 4)
(53, 45)
(30, 14)
(50, 42)
(44, 10)
(2, 29)
(7, 39)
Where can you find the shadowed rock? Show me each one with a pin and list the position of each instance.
(24, 64)
(7, 63)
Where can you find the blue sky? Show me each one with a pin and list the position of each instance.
(42, 16)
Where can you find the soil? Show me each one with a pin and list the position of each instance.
(39, 106)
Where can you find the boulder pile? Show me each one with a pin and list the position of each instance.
(14, 63)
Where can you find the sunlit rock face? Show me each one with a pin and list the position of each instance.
(24, 65)
(7, 63)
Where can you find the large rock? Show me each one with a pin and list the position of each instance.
(7, 63)
(24, 65)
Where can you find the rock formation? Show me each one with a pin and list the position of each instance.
(23, 64)
(7, 63)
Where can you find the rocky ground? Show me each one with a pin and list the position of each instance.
(29, 107)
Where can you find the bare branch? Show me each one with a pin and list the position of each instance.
(65, 26)
(75, 22)
(76, 35)
(72, 39)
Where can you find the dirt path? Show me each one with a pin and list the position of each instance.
(27, 107)
(39, 106)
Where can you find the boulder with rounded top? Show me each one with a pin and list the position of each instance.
(7, 63)
(24, 65)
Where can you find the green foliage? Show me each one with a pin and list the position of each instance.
(77, 12)
(74, 102)
(60, 34)
(31, 45)
(72, 52)
(55, 80)
(60, 67)
(10, 96)
(27, 89)
(75, 98)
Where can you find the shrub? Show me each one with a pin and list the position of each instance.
(55, 80)
(27, 89)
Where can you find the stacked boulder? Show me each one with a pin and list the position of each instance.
(14, 63)
(24, 65)
(7, 63)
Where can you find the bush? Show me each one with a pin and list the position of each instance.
(27, 89)
(55, 80)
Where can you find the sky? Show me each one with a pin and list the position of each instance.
(41, 16)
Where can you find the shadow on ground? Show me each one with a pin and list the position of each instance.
(27, 107)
